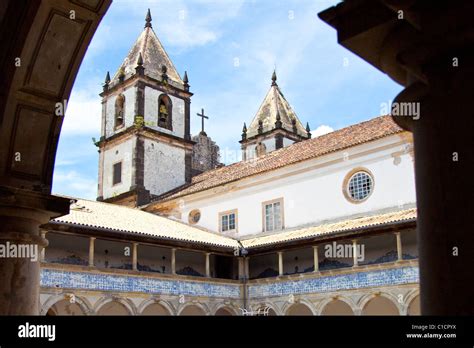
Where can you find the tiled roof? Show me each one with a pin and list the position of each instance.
(275, 103)
(331, 228)
(338, 140)
(119, 218)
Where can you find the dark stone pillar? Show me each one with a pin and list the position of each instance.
(278, 141)
(187, 119)
(427, 46)
(444, 163)
(21, 213)
(188, 166)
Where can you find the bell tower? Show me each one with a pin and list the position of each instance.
(145, 147)
(274, 126)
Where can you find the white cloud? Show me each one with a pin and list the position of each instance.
(83, 113)
(321, 130)
(182, 24)
(74, 184)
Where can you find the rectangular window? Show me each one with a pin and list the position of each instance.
(228, 221)
(273, 215)
(117, 174)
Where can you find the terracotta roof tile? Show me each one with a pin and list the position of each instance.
(331, 228)
(338, 140)
(124, 219)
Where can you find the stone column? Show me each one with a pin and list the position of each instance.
(399, 246)
(241, 261)
(429, 52)
(21, 214)
(247, 267)
(354, 253)
(173, 261)
(208, 265)
(135, 256)
(316, 259)
(444, 143)
(43, 250)
(280, 263)
(91, 251)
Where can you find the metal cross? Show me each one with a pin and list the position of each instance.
(202, 119)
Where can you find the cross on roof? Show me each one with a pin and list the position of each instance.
(202, 120)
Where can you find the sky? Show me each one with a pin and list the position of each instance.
(229, 49)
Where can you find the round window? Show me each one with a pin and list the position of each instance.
(194, 216)
(360, 186)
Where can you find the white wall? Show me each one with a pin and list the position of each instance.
(120, 152)
(151, 112)
(316, 195)
(164, 167)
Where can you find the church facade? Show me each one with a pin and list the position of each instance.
(301, 226)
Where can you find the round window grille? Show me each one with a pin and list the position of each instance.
(360, 186)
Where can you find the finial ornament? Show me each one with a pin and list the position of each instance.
(107, 78)
(148, 19)
(308, 130)
(244, 132)
(186, 81)
(274, 78)
(164, 75)
(278, 123)
(107, 81)
(139, 68)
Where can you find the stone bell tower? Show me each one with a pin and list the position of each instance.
(145, 146)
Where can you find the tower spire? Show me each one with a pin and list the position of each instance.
(274, 78)
(148, 19)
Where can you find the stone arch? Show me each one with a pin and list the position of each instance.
(225, 310)
(299, 308)
(345, 301)
(51, 48)
(119, 111)
(379, 304)
(79, 306)
(155, 307)
(336, 306)
(115, 306)
(165, 112)
(413, 303)
(191, 309)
